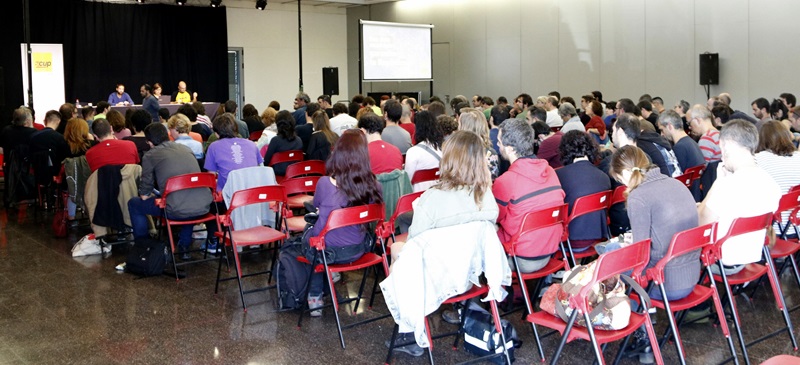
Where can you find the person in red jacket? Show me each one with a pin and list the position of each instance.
(530, 184)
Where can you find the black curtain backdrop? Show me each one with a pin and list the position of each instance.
(105, 44)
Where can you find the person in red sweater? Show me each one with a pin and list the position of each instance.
(110, 151)
(383, 156)
(530, 184)
(596, 127)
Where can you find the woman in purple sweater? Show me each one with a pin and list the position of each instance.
(350, 182)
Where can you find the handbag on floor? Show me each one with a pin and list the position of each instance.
(481, 337)
(88, 245)
(147, 257)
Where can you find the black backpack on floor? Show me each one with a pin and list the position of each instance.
(481, 337)
(147, 257)
(292, 277)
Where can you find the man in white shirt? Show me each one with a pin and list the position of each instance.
(553, 117)
(342, 121)
(742, 189)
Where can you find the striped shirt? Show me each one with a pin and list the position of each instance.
(785, 170)
(709, 145)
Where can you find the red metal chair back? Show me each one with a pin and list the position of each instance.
(404, 205)
(590, 203)
(682, 243)
(425, 175)
(696, 171)
(541, 220)
(255, 136)
(633, 257)
(286, 156)
(792, 189)
(300, 185)
(257, 195)
(305, 168)
(346, 217)
(686, 179)
(742, 226)
(191, 181)
(789, 201)
(618, 196)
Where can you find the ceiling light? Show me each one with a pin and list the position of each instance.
(180, 2)
(261, 4)
(140, 1)
(216, 3)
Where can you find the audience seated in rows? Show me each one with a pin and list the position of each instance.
(180, 133)
(777, 156)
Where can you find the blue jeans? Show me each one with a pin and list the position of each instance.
(139, 209)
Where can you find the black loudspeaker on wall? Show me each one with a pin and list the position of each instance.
(330, 80)
(709, 69)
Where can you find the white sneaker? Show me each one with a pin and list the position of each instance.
(336, 277)
(315, 302)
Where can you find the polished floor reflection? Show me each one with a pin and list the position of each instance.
(58, 310)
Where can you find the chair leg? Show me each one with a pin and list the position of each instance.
(673, 326)
(497, 322)
(391, 344)
(564, 336)
(219, 270)
(529, 305)
(335, 301)
(778, 293)
(651, 334)
(308, 286)
(360, 290)
(734, 312)
(593, 339)
(430, 340)
(723, 323)
(374, 287)
(238, 274)
(621, 350)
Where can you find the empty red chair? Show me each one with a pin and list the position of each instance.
(784, 247)
(305, 168)
(258, 235)
(403, 206)
(339, 218)
(300, 190)
(751, 273)
(457, 300)
(699, 238)
(584, 205)
(425, 175)
(532, 223)
(634, 258)
(285, 156)
(197, 180)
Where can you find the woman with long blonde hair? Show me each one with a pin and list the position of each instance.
(474, 120)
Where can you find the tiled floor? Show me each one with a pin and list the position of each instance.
(58, 310)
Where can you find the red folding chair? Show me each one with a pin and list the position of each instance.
(403, 206)
(259, 235)
(300, 190)
(632, 258)
(686, 179)
(618, 196)
(339, 218)
(691, 240)
(425, 175)
(696, 171)
(585, 205)
(785, 247)
(751, 273)
(254, 136)
(473, 292)
(305, 168)
(197, 180)
(285, 156)
(554, 218)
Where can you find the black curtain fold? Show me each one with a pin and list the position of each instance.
(105, 44)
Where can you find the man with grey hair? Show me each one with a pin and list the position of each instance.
(701, 124)
(529, 184)
(742, 189)
(570, 117)
(686, 149)
(19, 132)
(299, 114)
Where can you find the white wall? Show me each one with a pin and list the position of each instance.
(269, 40)
(622, 47)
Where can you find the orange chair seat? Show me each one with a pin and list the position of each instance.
(749, 273)
(551, 321)
(296, 224)
(783, 248)
(367, 260)
(296, 201)
(698, 295)
(256, 236)
(205, 218)
(553, 266)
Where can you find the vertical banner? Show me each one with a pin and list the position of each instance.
(48, 77)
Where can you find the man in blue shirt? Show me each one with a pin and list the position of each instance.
(149, 102)
(299, 114)
(120, 97)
